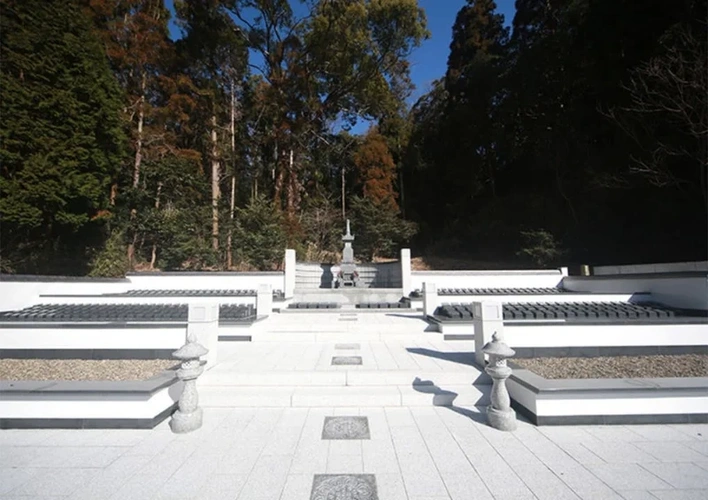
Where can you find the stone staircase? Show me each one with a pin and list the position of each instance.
(294, 361)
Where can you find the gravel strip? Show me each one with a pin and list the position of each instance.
(684, 365)
(82, 369)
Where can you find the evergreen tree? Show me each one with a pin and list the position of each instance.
(478, 39)
(376, 170)
(61, 141)
(465, 164)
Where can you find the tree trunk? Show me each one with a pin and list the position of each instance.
(139, 139)
(215, 192)
(401, 192)
(344, 208)
(232, 201)
(114, 194)
(153, 257)
(229, 254)
(291, 195)
(280, 178)
(138, 160)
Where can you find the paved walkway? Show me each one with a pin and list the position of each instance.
(413, 450)
(413, 453)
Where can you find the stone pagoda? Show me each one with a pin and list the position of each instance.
(347, 275)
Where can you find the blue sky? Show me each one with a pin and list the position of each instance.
(429, 61)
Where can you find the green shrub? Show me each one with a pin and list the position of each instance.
(541, 247)
(112, 260)
(259, 235)
(379, 229)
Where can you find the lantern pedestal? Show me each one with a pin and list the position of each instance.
(499, 413)
(189, 416)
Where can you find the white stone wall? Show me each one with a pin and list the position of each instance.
(689, 292)
(671, 267)
(608, 397)
(100, 337)
(206, 280)
(578, 335)
(487, 279)
(20, 294)
(90, 405)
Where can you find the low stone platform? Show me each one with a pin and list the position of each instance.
(409, 454)
(349, 295)
(101, 313)
(569, 311)
(401, 372)
(502, 291)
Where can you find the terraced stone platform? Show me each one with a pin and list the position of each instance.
(570, 312)
(159, 293)
(308, 360)
(188, 293)
(502, 291)
(103, 313)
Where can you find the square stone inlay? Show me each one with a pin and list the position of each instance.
(346, 360)
(344, 487)
(345, 347)
(346, 428)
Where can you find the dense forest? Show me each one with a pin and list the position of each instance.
(577, 135)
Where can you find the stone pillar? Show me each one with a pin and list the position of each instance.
(203, 323)
(406, 277)
(488, 318)
(189, 416)
(430, 298)
(289, 285)
(499, 413)
(264, 301)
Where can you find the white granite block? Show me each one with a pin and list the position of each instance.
(679, 475)
(220, 486)
(55, 481)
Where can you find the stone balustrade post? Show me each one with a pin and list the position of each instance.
(430, 298)
(264, 300)
(188, 416)
(488, 317)
(406, 274)
(290, 264)
(203, 323)
(499, 413)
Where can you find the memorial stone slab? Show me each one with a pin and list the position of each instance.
(345, 347)
(346, 360)
(344, 487)
(346, 428)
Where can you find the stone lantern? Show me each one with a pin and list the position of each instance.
(499, 413)
(189, 416)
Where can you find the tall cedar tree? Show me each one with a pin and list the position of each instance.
(376, 170)
(61, 137)
(466, 164)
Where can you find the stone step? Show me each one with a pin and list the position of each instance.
(342, 378)
(325, 326)
(344, 336)
(328, 396)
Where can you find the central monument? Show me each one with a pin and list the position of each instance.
(347, 275)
